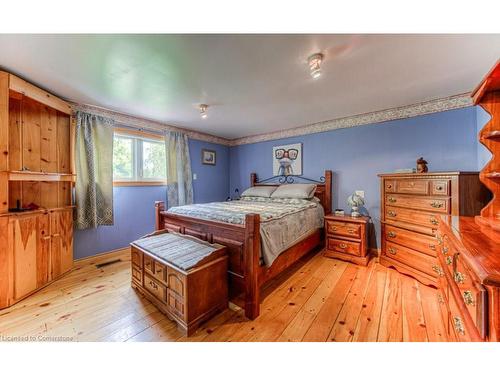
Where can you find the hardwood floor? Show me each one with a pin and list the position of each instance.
(320, 299)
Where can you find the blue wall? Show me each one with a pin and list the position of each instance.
(447, 140)
(134, 206)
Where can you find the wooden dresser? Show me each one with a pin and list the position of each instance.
(411, 204)
(347, 238)
(469, 278)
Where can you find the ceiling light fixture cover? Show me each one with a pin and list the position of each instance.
(315, 64)
(203, 110)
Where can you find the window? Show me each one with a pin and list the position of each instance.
(138, 158)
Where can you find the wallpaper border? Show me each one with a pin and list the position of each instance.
(398, 113)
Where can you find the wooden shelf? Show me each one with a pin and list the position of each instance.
(494, 174)
(37, 211)
(493, 135)
(40, 176)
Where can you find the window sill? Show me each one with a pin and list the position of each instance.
(139, 183)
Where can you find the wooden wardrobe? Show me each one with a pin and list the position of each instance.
(36, 172)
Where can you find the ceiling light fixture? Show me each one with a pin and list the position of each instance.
(314, 62)
(203, 110)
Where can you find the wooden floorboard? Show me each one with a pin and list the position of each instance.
(320, 299)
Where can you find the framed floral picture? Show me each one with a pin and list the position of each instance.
(208, 157)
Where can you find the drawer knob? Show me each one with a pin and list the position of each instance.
(391, 213)
(459, 325)
(392, 199)
(343, 246)
(333, 228)
(444, 250)
(449, 260)
(153, 285)
(434, 221)
(468, 297)
(438, 270)
(389, 186)
(391, 234)
(436, 204)
(459, 277)
(351, 231)
(392, 251)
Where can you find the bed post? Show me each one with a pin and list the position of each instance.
(251, 259)
(328, 192)
(159, 207)
(253, 178)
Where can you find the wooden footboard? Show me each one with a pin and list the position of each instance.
(242, 241)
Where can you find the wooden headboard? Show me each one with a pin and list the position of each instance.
(323, 186)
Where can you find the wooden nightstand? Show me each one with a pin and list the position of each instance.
(347, 238)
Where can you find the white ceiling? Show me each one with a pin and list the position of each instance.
(253, 83)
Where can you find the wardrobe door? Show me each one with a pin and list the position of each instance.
(55, 245)
(25, 255)
(43, 250)
(66, 231)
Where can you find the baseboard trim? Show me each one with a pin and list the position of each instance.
(106, 254)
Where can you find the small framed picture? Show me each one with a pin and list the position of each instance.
(208, 157)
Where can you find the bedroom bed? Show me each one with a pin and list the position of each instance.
(251, 229)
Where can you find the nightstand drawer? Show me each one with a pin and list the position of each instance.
(337, 228)
(343, 246)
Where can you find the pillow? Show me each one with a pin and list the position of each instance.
(301, 191)
(259, 191)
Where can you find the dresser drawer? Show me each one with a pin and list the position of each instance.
(416, 241)
(427, 219)
(390, 186)
(343, 246)
(155, 288)
(136, 256)
(440, 187)
(457, 322)
(440, 205)
(472, 293)
(337, 228)
(413, 187)
(415, 259)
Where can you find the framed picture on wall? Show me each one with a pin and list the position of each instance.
(208, 157)
(287, 160)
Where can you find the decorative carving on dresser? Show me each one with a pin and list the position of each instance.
(411, 204)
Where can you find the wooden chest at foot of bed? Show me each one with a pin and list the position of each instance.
(347, 238)
(189, 297)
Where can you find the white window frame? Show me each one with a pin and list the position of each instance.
(137, 137)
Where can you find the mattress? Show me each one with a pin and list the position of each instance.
(283, 222)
